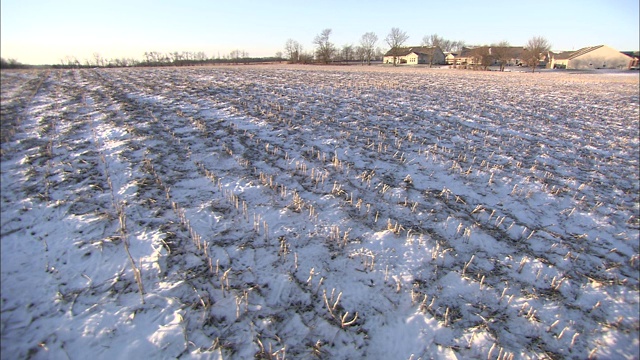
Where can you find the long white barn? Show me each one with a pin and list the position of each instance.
(594, 57)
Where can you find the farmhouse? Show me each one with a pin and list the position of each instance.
(461, 57)
(594, 57)
(466, 56)
(515, 55)
(415, 55)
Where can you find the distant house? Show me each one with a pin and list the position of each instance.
(635, 58)
(450, 58)
(415, 55)
(559, 60)
(462, 57)
(467, 56)
(515, 55)
(474, 55)
(593, 57)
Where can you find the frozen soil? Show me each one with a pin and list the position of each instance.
(319, 212)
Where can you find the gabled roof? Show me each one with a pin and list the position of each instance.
(514, 52)
(584, 51)
(404, 51)
(465, 52)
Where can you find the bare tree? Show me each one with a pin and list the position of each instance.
(120, 62)
(535, 51)
(359, 54)
(235, 55)
(395, 39)
(484, 53)
(501, 52)
(70, 62)
(279, 56)
(427, 40)
(153, 58)
(433, 41)
(456, 46)
(201, 56)
(325, 49)
(176, 57)
(306, 57)
(98, 60)
(444, 44)
(367, 46)
(347, 52)
(379, 54)
(293, 50)
(436, 40)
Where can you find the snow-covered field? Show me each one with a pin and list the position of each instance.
(319, 212)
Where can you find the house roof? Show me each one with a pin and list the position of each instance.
(583, 51)
(404, 51)
(563, 55)
(570, 55)
(514, 52)
(465, 52)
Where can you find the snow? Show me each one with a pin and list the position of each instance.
(330, 212)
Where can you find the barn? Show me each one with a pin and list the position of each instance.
(593, 57)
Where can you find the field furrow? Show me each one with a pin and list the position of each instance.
(330, 213)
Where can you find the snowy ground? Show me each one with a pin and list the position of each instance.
(319, 212)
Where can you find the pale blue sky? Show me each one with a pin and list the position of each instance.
(45, 31)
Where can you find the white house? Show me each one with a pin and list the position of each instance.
(593, 57)
(415, 55)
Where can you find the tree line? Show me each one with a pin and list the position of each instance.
(175, 58)
(150, 58)
(326, 51)
(11, 64)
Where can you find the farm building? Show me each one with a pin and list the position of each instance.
(635, 58)
(594, 57)
(415, 55)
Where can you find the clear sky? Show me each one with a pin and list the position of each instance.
(46, 31)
